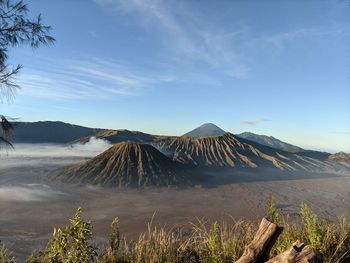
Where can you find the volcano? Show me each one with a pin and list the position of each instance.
(127, 164)
(229, 150)
(205, 130)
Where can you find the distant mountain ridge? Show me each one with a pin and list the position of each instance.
(270, 141)
(65, 133)
(140, 159)
(164, 161)
(205, 130)
(229, 150)
(49, 132)
(60, 132)
(341, 157)
(210, 129)
(115, 136)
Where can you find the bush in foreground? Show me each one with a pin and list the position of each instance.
(214, 243)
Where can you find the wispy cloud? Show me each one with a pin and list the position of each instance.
(231, 49)
(93, 34)
(84, 79)
(189, 35)
(279, 41)
(254, 122)
(192, 40)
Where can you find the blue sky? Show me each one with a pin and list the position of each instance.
(279, 68)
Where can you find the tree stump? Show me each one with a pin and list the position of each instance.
(298, 252)
(259, 249)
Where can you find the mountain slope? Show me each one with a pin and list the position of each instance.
(126, 164)
(49, 132)
(230, 151)
(205, 130)
(269, 141)
(341, 158)
(116, 136)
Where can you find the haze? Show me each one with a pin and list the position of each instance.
(33, 203)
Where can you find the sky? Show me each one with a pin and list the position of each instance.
(278, 68)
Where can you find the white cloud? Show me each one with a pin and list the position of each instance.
(192, 39)
(230, 49)
(47, 154)
(90, 149)
(93, 147)
(85, 79)
(274, 44)
(254, 122)
(189, 36)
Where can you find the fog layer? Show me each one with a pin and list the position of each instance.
(39, 154)
(29, 193)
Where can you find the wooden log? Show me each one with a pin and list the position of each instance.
(259, 249)
(297, 253)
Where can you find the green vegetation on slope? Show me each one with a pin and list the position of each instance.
(216, 242)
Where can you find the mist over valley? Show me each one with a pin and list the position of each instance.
(216, 186)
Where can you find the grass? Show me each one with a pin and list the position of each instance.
(204, 242)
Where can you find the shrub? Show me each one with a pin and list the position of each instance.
(203, 242)
(69, 245)
(272, 212)
(6, 255)
(314, 234)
